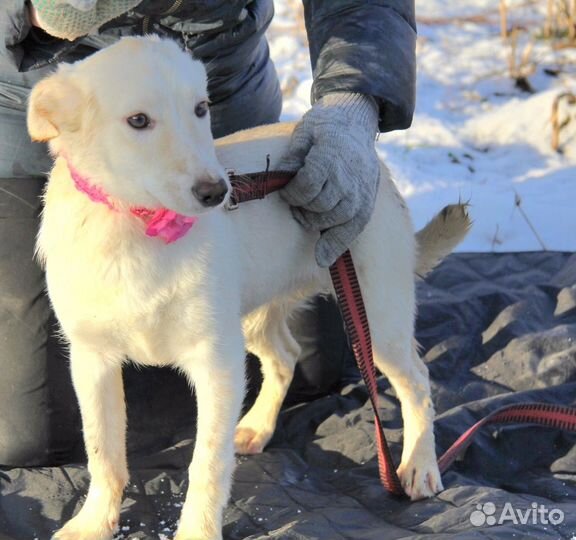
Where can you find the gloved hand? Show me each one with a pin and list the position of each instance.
(334, 191)
(70, 19)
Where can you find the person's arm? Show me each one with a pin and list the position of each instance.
(363, 61)
(14, 27)
(366, 47)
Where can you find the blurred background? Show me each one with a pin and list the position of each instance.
(495, 121)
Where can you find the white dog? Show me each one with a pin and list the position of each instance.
(129, 129)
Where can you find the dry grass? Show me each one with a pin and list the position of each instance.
(519, 34)
(520, 64)
(298, 27)
(518, 203)
(558, 26)
(488, 16)
(290, 22)
(548, 26)
(503, 19)
(557, 124)
(560, 22)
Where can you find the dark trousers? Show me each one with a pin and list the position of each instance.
(39, 416)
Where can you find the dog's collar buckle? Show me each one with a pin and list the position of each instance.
(232, 203)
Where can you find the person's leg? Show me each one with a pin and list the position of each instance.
(39, 423)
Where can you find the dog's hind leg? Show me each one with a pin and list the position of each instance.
(268, 337)
(384, 256)
(396, 357)
(216, 368)
(408, 375)
(97, 380)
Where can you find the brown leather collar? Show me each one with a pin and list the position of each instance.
(252, 186)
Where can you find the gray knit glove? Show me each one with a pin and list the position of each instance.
(70, 19)
(334, 191)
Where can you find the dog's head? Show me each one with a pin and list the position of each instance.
(134, 119)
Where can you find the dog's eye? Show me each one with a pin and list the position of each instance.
(139, 121)
(201, 109)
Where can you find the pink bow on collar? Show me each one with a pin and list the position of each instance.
(162, 223)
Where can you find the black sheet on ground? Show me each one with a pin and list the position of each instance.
(495, 329)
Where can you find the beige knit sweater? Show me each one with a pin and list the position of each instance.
(70, 19)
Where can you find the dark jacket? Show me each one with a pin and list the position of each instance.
(365, 46)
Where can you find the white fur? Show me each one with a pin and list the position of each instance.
(230, 283)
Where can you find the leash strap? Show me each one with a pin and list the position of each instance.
(543, 414)
(351, 305)
(253, 186)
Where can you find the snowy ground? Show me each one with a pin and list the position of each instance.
(475, 137)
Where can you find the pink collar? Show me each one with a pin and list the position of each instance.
(163, 223)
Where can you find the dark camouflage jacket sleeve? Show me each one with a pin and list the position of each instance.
(14, 26)
(365, 46)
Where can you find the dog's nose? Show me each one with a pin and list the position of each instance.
(210, 193)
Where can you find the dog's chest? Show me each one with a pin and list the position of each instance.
(133, 301)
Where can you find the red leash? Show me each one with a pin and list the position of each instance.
(352, 306)
(256, 186)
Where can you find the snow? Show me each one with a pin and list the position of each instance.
(475, 136)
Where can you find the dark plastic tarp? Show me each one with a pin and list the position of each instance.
(495, 329)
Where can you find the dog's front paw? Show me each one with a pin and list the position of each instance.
(420, 476)
(185, 536)
(248, 441)
(73, 533)
(79, 528)
(193, 533)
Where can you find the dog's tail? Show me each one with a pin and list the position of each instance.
(440, 236)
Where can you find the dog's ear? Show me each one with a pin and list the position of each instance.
(54, 106)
